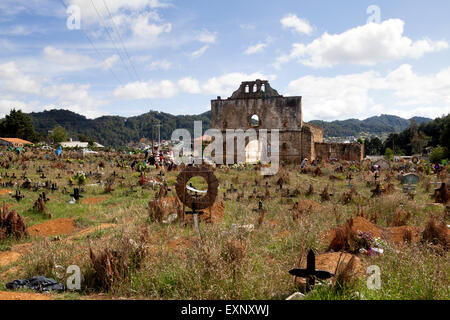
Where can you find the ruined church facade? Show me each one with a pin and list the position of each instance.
(255, 105)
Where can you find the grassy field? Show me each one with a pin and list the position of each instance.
(169, 261)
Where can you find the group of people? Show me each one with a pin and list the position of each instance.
(305, 163)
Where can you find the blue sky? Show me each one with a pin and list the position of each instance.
(129, 57)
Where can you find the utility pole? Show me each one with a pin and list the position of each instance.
(152, 135)
(159, 136)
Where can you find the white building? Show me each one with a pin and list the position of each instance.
(78, 144)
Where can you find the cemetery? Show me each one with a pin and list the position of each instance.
(212, 232)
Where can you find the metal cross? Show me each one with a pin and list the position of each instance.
(310, 273)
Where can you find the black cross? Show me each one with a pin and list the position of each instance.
(43, 196)
(310, 273)
(18, 196)
(76, 194)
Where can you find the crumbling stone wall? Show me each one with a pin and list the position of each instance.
(341, 151)
(257, 98)
(298, 140)
(310, 135)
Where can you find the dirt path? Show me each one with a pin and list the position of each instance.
(11, 295)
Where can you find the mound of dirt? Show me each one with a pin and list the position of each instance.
(396, 235)
(4, 191)
(52, 228)
(181, 243)
(363, 225)
(400, 235)
(329, 262)
(10, 274)
(9, 295)
(306, 204)
(217, 212)
(8, 257)
(359, 224)
(95, 200)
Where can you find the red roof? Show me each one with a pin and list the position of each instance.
(16, 141)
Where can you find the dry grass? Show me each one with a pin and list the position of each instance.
(171, 262)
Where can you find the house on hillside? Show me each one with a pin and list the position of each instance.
(14, 142)
(78, 144)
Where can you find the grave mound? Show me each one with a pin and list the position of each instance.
(330, 262)
(52, 228)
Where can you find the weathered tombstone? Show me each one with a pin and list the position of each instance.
(410, 182)
(382, 164)
(410, 179)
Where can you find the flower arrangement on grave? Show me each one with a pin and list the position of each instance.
(79, 178)
(141, 167)
(370, 245)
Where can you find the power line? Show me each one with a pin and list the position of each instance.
(96, 50)
(121, 41)
(113, 41)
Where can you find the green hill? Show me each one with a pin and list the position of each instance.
(118, 131)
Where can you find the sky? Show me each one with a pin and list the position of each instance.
(347, 59)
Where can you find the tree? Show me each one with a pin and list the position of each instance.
(373, 147)
(437, 155)
(59, 134)
(418, 142)
(83, 138)
(18, 125)
(445, 139)
(389, 154)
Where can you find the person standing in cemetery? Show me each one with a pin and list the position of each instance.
(304, 163)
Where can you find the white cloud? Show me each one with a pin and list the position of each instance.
(147, 90)
(259, 47)
(291, 21)
(6, 106)
(13, 79)
(89, 14)
(143, 28)
(189, 85)
(160, 65)
(110, 62)
(206, 36)
(21, 30)
(247, 27)
(60, 57)
(359, 95)
(230, 82)
(23, 91)
(73, 97)
(365, 45)
(223, 85)
(199, 52)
